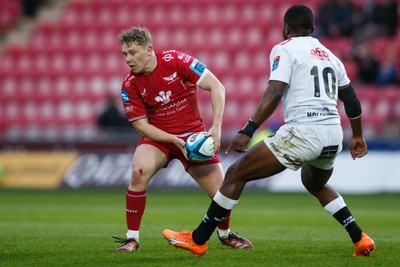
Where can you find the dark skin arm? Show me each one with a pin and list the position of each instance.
(358, 146)
(267, 105)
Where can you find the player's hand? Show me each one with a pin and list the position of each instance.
(180, 143)
(239, 144)
(215, 132)
(358, 147)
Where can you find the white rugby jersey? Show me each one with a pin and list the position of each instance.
(313, 75)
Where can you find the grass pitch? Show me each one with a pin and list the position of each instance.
(74, 228)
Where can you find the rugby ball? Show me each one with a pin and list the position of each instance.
(200, 147)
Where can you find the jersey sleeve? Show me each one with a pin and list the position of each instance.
(280, 64)
(192, 69)
(132, 102)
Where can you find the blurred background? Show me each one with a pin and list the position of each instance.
(61, 69)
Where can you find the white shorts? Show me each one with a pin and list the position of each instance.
(297, 144)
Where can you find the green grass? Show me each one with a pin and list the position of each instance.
(74, 228)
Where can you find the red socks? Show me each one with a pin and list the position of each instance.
(226, 222)
(135, 205)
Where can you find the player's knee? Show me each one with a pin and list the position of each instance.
(138, 177)
(232, 174)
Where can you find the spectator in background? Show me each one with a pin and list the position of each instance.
(380, 20)
(388, 72)
(30, 7)
(335, 18)
(385, 17)
(368, 65)
(111, 120)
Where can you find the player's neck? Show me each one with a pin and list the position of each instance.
(151, 65)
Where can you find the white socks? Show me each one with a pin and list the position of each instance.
(133, 234)
(335, 205)
(225, 202)
(223, 233)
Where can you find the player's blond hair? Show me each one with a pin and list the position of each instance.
(137, 35)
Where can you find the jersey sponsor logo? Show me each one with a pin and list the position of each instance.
(329, 152)
(171, 78)
(128, 108)
(197, 67)
(274, 147)
(168, 57)
(163, 97)
(128, 80)
(173, 108)
(325, 112)
(185, 58)
(275, 63)
(319, 54)
(124, 96)
(144, 92)
(295, 161)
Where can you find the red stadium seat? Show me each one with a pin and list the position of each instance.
(10, 10)
(368, 96)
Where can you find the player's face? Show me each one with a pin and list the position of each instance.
(137, 57)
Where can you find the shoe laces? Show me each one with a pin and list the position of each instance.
(232, 235)
(124, 240)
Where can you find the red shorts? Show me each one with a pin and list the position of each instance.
(173, 152)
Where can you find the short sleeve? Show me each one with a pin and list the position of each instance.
(280, 64)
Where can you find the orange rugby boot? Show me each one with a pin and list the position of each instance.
(184, 240)
(365, 246)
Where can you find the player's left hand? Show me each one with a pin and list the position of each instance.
(215, 132)
(239, 144)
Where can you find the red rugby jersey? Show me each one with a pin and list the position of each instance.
(166, 96)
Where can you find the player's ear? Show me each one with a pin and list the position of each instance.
(285, 31)
(150, 49)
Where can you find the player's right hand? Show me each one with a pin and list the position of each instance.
(180, 143)
(239, 144)
(358, 147)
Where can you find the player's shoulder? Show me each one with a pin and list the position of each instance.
(174, 55)
(285, 42)
(168, 55)
(284, 45)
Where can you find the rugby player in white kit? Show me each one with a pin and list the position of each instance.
(308, 79)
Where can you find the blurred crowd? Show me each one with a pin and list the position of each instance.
(365, 22)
